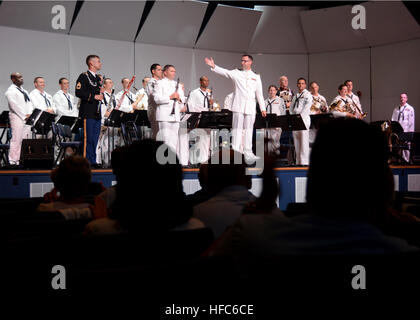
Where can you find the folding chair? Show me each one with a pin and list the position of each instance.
(63, 136)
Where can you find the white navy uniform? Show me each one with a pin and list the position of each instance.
(319, 103)
(102, 148)
(169, 124)
(301, 104)
(355, 99)
(20, 105)
(227, 105)
(65, 104)
(278, 107)
(248, 90)
(405, 116)
(151, 108)
(144, 102)
(199, 101)
(343, 101)
(129, 99)
(42, 101)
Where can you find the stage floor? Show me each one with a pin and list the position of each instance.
(292, 181)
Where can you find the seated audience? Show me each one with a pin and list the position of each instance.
(149, 196)
(349, 188)
(72, 182)
(230, 184)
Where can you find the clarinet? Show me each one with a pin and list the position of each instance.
(101, 85)
(110, 106)
(176, 90)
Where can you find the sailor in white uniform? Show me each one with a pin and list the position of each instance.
(200, 100)
(274, 104)
(128, 102)
(65, 104)
(285, 92)
(354, 99)
(341, 105)
(142, 95)
(301, 104)
(20, 108)
(40, 99)
(319, 105)
(156, 71)
(248, 90)
(170, 103)
(404, 114)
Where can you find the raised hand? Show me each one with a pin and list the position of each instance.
(209, 62)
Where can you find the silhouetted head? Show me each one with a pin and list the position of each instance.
(221, 175)
(150, 196)
(72, 177)
(349, 176)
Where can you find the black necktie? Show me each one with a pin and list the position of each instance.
(401, 113)
(297, 100)
(206, 98)
(47, 103)
(131, 100)
(270, 106)
(24, 94)
(68, 102)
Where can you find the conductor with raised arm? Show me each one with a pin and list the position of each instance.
(89, 90)
(248, 90)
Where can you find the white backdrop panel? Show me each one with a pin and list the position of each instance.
(117, 58)
(268, 37)
(271, 67)
(395, 69)
(32, 53)
(147, 54)
(333, 68)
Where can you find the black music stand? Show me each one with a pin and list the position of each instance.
(291, 122)
(142, 120)
(77, 125)
(33, 117)
(317, 120)
(193, 119)
(42, 124)
(4, 126)
(267, 122)
(67, 121)
(216, 121)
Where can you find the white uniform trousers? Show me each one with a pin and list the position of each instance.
(242, 128)
(20, 131)
(176, 138)
(274, 135)
(103, 149)
(200, 151)
(301, 140)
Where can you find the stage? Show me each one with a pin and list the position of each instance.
(292, 180)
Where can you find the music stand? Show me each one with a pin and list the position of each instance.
(33, 117)
(192, 119)
(317, 120)
(43, 123)
(67, 121)
(4, 125)
(291, 122)
(77, 125)
(267, 122)
(142, 120)
(215, 120)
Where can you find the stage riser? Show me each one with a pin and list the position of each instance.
(25, 184)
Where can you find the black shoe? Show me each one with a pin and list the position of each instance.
(97, 166)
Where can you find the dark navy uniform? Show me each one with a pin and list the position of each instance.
(88, 85)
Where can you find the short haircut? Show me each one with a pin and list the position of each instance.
(144, 79)
(249, 56)
(36, 79)
(272, 86)
(301, 79)
(404, 93)
(347, 81)
(90, 57)
(13, 75)
(61, 80)
(167, 67)
(341, 86)
(154, 67)
(107, 79)
(202, 78)
(122, 80)
(312, 82)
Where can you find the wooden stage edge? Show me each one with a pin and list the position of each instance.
(185, 169)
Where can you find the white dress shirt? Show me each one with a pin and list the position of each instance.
(163, 90)
(355, 99)
(301, 104)
(17, 103)
(129, 99)
(248, 89)
(405, 116)
(275, 105)
(199, 100)
(144, 103)
(62, 102)
(42, 101)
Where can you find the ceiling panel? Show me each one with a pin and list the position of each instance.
(229, 29)
(116, 20)
(173, 23)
